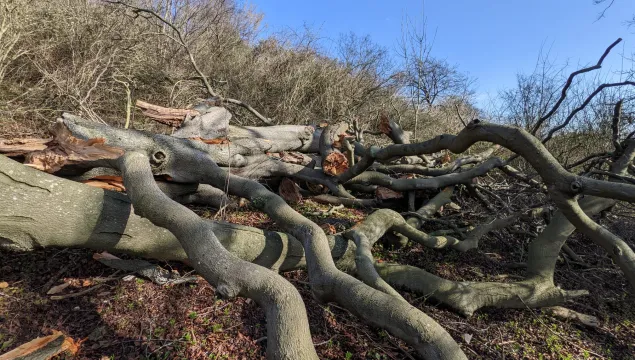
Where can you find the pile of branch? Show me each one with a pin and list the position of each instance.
(210, 162)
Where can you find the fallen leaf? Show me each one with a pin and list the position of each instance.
(454, 206)
(467, 338)
(243, 202)
(316, 188)
(4, 285)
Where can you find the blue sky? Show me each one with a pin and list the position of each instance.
(491, 40)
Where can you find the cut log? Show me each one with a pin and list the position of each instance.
(56, 212)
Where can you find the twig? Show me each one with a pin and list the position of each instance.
(181, 41)
(76, 294)
(328, 212)
(583, 105)
(558, 335)
(566, 86)
(54, 278)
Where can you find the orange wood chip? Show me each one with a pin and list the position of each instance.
(328, 229)
(106, 185)
(215, 141)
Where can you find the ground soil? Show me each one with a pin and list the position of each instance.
(137, 319)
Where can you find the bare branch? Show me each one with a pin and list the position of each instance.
(566, 86)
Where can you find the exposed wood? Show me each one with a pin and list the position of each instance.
(168, 116)
(43, 348)
(384, 193)
(289, 191)
(335, 164)
(66, 149)
(393, 130)
(17, 147)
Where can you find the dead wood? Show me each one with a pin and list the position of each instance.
(17, 147)
(43, 348)
(227, 256)
(167, 116)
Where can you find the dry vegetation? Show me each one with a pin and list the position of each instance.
(502, 212)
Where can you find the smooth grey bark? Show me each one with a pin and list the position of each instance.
(85, 216)
(467, 297)
(212, 124)
(537, 290)
(184, 162)
(175, 159)
(328, 138)
(233, 153)
(40, 210)
(376, 178)
(287, 321)
(522, 143)
(269, 167)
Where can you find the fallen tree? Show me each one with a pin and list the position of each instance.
(159, 174)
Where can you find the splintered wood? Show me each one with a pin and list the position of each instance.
(384, 124)
(106, 182)
(335, 163)
(65, 149)
(18, 147)
(43, 348)
(289, 191)
(167, 116)
(215, 141)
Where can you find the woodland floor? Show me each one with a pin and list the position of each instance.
(140, 320)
